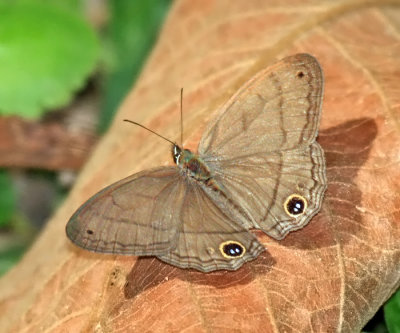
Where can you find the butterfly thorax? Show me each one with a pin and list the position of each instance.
(191, 164)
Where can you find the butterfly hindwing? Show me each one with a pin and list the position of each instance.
(272, 179)
(208, 240)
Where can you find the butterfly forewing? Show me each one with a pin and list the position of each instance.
(278, 109)
(138, 215)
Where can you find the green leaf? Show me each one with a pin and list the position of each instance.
(46, 53)
(8, 199)
(75, 5)
(132, 31)
(392, 313)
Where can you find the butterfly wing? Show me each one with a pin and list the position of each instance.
(261, 147)
(161, 212)
(209, 240)
(139, 215)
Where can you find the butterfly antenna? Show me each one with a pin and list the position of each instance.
(140, 125)
(181, 117)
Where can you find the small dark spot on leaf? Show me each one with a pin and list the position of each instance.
(90, 232)
(300, 75)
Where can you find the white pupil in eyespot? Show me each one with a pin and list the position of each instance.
(234, 251)
(297, 207)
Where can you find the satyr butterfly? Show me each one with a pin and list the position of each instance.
(257, 166)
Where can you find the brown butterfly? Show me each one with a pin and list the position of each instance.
(258, 166)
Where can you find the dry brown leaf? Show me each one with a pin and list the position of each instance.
(331, 276)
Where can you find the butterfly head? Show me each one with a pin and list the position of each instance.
(182, 156)
(176, 153)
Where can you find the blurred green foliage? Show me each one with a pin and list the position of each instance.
(131, 32)
(8, 198)
(392, 313)
(10, 256)
(9, 251)
(46, 54)
(48, 50)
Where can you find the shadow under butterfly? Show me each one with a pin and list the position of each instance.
(258, 166)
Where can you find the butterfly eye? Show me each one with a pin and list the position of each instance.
(232, 249)
(295, 205)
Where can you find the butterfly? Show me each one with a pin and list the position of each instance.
(258, 166)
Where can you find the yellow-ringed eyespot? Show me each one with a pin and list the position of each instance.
(295, 205)
(232, 249)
